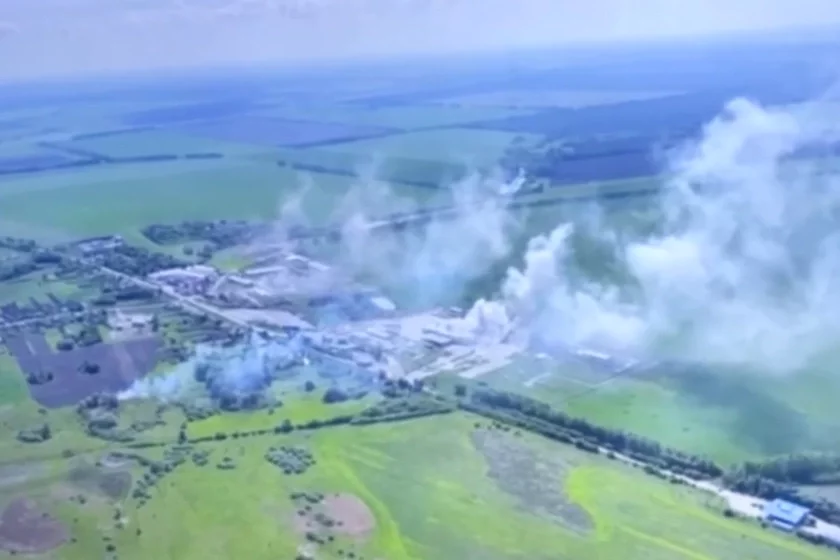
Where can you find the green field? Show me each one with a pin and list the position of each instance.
(36, 286)
(477, 148)
(169, 193)
(406, 117)
(561, 98)
(13, 389)
(435, 488)
(155, 142)
(728, 416)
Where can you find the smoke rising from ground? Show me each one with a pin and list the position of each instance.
(420, 266)
(741, 266)
(744, 268)
(229, 375)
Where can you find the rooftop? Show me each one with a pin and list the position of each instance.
(786, 512)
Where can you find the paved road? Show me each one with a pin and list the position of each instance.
(187, 303)
(742, 505)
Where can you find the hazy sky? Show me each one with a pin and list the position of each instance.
(42, 37)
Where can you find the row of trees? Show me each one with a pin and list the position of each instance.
(18, 244)
(777, 478)
(138, 261)
(220, 234)
(783, 477)
(541, 418)
(803, 469)
(768, 489)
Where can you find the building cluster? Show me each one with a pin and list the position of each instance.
(36, 309)
(188, 281)
(96, 245)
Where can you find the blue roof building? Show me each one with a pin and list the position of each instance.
(785, 515)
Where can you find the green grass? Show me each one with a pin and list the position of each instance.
(545, 99)
(21, 149)
(155, 142)
(35, 286)
(13, 388)
(93, 202)
(298, 409)
(427, 488)
(230, 260)
(404, 117)
(730, 416)
(459, 146)
(362, 164)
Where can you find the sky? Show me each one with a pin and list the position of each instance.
(40, 38)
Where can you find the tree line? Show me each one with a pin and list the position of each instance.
(782, 478)
(539, 417)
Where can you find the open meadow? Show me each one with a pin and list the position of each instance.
(447, 487)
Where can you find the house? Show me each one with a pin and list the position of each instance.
(785, 515)
(94, 245)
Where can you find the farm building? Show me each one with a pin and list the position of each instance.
(94, 245)
(785, 515)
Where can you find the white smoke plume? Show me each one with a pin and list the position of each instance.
(425, 265)
(744, 268)
(240, 370)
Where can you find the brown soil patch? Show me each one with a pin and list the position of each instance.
(26, 529)
(340, 514)
(352, 514)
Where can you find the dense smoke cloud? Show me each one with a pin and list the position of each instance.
(738, 264)
(744, 268)
(421, 266)
(232, 376)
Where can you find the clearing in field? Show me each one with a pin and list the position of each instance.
(341, 514)
(110, 483)
(26, 529)
(536, 482)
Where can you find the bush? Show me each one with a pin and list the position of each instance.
(334, 395)
(89, 368)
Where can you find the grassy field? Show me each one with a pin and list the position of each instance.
(434, 488)
(404, 117)
(155, 142)
(729, 416)
(168, 193)
(35, 286)
(547, 99)
(13, 389)
(455, 145)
